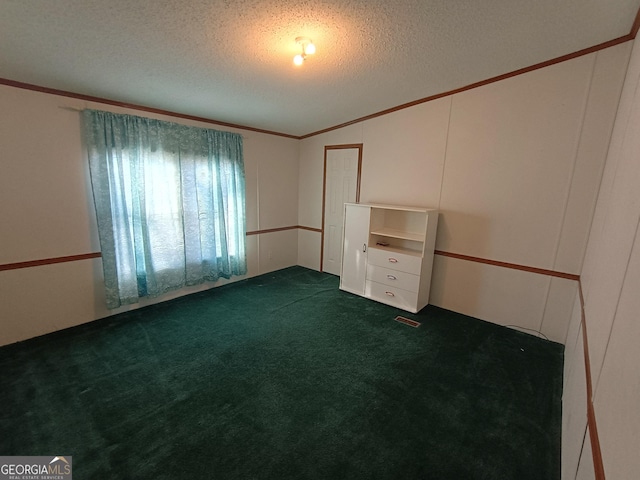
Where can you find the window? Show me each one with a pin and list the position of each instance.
(169, 203)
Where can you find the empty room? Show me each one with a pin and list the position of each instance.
(312, 240)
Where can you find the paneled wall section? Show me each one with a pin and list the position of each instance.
(514, 167)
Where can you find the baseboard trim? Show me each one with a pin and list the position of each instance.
(282, 229)
(513, 266)
(86, 256)
(271, 230)
(49, 261)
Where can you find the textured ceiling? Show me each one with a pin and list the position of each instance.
(231, 60)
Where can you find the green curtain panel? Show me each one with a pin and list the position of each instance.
(170, 204)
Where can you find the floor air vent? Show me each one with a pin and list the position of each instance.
(407, 321)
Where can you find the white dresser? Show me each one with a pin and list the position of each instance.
(387, 253)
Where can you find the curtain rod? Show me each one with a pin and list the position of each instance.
(75, 109)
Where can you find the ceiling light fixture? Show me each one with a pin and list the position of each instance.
(308, 48)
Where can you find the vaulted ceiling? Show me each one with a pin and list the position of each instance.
(231, 60)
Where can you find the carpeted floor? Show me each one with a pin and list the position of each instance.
(284, 376)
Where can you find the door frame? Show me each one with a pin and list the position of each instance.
(324, 186)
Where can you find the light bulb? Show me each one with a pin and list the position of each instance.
(298, 59)
(310, 49)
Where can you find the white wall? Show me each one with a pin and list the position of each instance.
(514, 166)
(47, 211)
(611, 282)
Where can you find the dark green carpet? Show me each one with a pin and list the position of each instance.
(283, 376)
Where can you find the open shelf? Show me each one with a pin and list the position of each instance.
(394, 233)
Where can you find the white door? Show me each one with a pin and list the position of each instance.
(340, 188)
(356, 238)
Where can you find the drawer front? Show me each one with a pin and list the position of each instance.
(394, 260)
(393, 278)
(395, 297)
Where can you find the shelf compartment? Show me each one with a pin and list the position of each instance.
(398, 245)
(401, 234)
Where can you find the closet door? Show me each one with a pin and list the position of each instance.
(354, 248)
(341, 183)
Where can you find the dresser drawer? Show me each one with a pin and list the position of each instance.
(393, 278)
(396, 261)
(393, 296)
